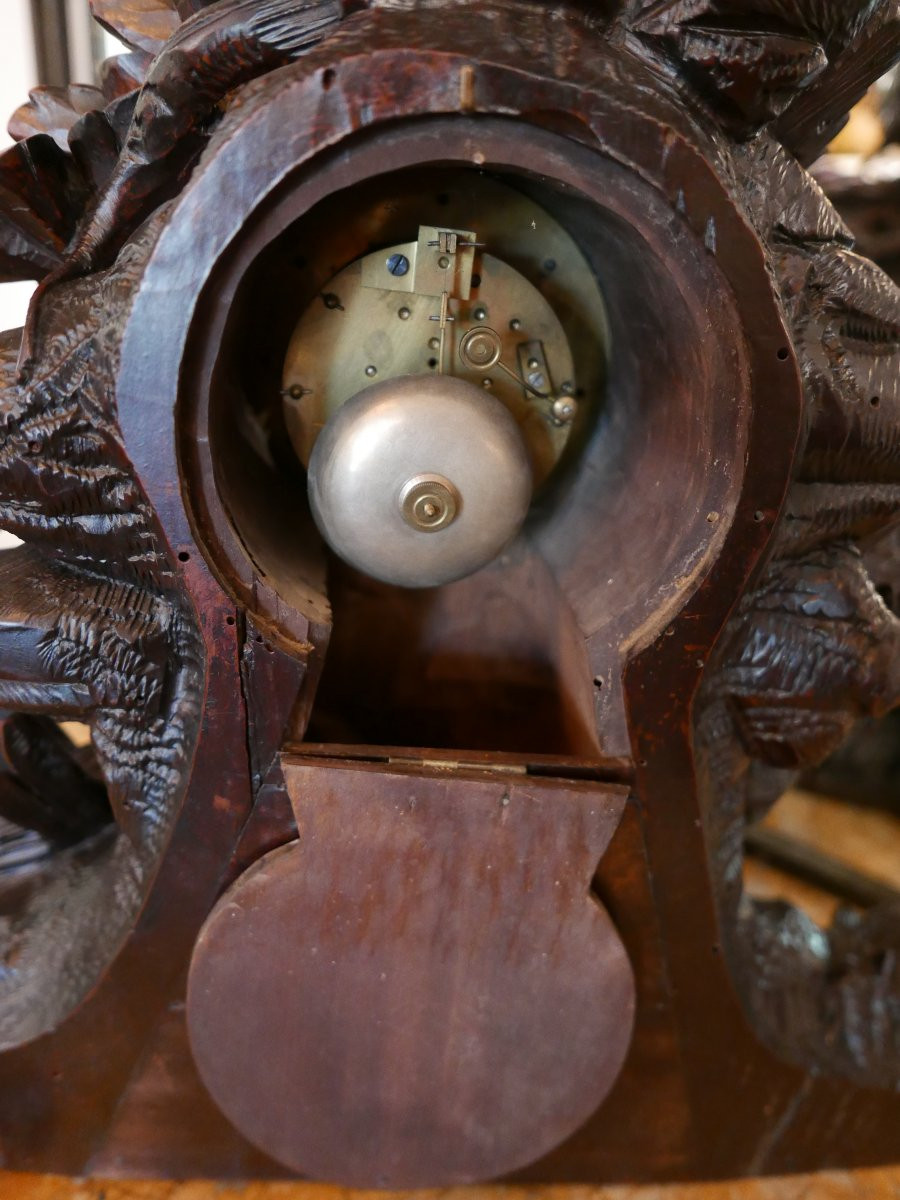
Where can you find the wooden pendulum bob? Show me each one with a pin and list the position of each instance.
(442, 443)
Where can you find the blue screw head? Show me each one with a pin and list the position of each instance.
(398, 264)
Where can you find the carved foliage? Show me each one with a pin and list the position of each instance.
(95, 629)
(95, 624)
(42, 194)
(141, 24)
(813, 646)
(70, 140)
(54, 110)
(203, 63)
(806, 61)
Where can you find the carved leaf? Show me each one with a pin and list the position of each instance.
(54, 111)
(64, 480)
(835, 23)
(82, 123)
(124, 73)
(758, 73)
(141, 24)
(834, 512)
(814, 118)
(789, 208)
(818, 650)
(804, 61)
(42, 196)
(208, 58)
(98, 138)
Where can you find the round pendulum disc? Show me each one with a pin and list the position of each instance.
(420, 481)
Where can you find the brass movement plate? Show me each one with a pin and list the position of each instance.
(380, 318)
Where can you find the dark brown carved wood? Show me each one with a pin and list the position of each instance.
(693, 614)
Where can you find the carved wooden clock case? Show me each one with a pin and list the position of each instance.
(446, 444)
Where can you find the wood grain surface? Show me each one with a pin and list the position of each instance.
(877, 1184)
(363, 1046)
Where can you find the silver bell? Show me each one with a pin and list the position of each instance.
(421, 480)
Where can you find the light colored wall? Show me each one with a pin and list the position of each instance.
(18, 73)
